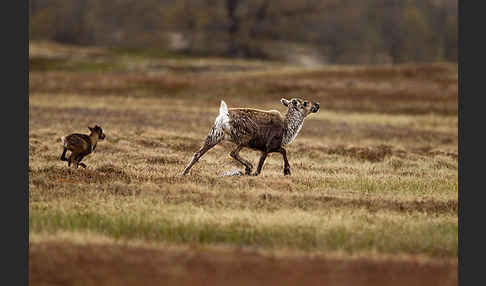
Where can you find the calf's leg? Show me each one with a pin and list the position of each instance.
(63, 155)
(70, 159)
(78, 159)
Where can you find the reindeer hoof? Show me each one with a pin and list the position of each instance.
(247, 171)
(287, 171)
(184, 172)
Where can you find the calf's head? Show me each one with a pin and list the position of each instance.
(97, 129)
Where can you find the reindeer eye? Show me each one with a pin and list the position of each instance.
(305, 103)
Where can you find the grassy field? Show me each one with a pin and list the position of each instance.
(372, 198)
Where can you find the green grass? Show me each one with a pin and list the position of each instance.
(68, 65)
(431, 236)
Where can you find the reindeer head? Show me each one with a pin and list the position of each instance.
(303, 106)
(97, 129)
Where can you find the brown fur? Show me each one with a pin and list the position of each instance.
(265, 131)
(81, 145)
(256, 129)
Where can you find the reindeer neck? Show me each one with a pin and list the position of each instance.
(93, 138)
(293, 123)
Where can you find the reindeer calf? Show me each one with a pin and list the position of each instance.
(80, 145)
(266, 131)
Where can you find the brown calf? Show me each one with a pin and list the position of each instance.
(80, 145)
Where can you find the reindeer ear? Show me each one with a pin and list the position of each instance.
(90, 129)
(284, 102)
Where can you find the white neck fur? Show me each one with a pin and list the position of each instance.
(294, 120)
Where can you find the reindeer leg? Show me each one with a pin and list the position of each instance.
(74, 159)
(80, 157)
(286, 162)
(205, 148)
(63, 156)
(260, 163)
(235, 154)
(70, 159)
(215, 136)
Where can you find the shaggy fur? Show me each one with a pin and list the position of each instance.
(265, 131)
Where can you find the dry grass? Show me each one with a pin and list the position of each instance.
(374, 171)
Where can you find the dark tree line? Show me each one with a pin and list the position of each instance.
(340, 31)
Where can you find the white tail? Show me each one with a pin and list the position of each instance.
(63, 140)
(223, 117)
(216, 135)
(223, 108)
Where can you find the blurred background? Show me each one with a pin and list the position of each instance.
(304, 32)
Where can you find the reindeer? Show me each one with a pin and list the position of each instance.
(266, 131)
(80, 145)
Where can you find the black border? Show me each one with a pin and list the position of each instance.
(460, 183)
(14, 25)
(471, 148)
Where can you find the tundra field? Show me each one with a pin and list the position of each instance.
(372, 199)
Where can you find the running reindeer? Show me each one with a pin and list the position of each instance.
(81, 145)
(266, 131)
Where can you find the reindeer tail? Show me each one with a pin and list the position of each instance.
(223, 108)
(64, 142)
(223, 117)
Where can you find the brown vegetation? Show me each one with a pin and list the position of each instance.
(108, 264)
